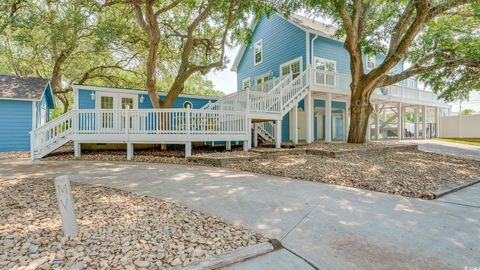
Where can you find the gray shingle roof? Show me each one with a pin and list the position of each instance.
(313, 25)
(14, 87)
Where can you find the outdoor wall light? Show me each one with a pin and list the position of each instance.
(92, 95)
(142, 98)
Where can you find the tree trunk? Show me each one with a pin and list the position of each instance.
(151, 73)
(360, 110)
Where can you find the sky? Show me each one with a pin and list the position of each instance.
(226, 80)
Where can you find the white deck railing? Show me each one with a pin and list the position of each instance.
(141, 125)
(340, 83)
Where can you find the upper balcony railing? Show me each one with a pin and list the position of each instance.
(340, 83)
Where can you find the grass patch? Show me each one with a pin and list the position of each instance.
(473, 141)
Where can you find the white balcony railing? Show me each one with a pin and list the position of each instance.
(340, 83)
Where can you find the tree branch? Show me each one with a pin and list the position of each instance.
(415, 70)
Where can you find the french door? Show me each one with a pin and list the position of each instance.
(326, 71)
(109, 120)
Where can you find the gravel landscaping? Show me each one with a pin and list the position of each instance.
(118, 230)
(407, 173)
(14, 155)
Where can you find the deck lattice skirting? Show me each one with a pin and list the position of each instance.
(231, 118)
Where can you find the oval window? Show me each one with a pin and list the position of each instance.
(187, 105)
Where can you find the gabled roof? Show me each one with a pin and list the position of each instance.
(22, 88)
(306, 24)
(313, 26)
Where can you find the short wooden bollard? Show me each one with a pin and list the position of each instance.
(65, 203)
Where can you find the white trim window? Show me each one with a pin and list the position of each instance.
(258, 52)
(326, 71)
(370, 59)
(262, 78)
(246, 83)
(293, 67)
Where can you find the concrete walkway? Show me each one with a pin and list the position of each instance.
(448, 148)
(329, 226)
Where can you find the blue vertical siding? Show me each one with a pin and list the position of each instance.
(15, 125)
(282, 42)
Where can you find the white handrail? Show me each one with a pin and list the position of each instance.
(137, 122)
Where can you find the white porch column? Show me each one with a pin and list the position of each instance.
(399, 120)
(77, 149)
(295, 123)
(368, 136)
(328, 118)
(424, 122)
(437, 122)
(308, 104)
(129, 151)
(249, 132)
(188, 149)
(377, 122)
(347, 119)
(415, 117)
(255, 135)
(228, 145)
(278, 134)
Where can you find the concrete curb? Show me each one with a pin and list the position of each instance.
(454, 187)
(235, 256)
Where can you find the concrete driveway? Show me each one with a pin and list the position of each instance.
(448, 148)
(330, 227)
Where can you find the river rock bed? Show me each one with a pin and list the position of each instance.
(118, 230)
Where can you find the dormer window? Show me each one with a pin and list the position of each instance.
(370, 61)
(258, 52)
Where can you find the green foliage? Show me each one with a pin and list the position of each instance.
(467, 112)
(453, 35)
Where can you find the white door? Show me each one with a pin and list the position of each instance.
(106, 103)
(127, 102)
(326, 68)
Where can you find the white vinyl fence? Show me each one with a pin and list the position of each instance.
(460, 126)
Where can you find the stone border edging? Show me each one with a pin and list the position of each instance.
(454, 188)
(232, 257)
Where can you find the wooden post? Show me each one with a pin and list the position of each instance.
(65, 203)
(328, 118)
(188, 149)
(377, 122)
(308, 106)
(77, 149)
(278, 134)
(228, 145)
(399, 120)
(255, 135)
(295, 124)
(129, 151)
(424, 122)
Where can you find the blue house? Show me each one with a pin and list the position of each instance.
(299, 46)
(293, 82)
(97, 97)
(25, 104)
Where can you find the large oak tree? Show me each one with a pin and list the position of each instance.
(186, 37)
(439, 38)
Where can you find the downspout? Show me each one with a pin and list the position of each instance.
(311, 48)
(312, 57)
